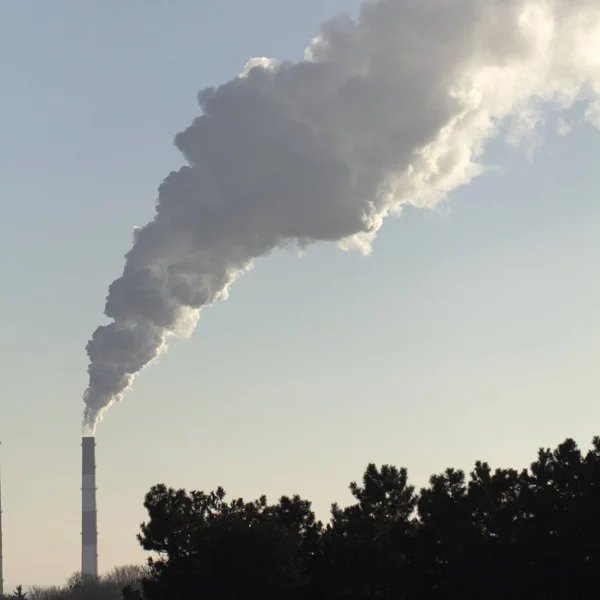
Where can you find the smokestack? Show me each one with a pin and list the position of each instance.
(89, 532)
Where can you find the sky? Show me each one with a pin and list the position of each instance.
(471, 331)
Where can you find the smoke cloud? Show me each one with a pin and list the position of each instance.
(391, 109)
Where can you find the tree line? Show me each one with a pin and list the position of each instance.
(496, 533)
(110, 586)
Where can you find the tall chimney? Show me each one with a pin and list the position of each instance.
(89, 532)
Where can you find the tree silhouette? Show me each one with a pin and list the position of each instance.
(498, 533)
(19, 593)
(227, 550)
(365, 548)
(110, 586)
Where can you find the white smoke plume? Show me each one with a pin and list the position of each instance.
(391, 109)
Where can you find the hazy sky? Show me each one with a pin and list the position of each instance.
(470, 333)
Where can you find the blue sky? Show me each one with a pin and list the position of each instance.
(470, 333)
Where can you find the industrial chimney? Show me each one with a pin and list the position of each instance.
(89, 532)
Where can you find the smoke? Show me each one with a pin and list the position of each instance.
(391, 109)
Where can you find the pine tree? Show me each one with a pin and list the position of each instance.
(19, 593)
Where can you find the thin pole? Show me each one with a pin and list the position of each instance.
(1, 559)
